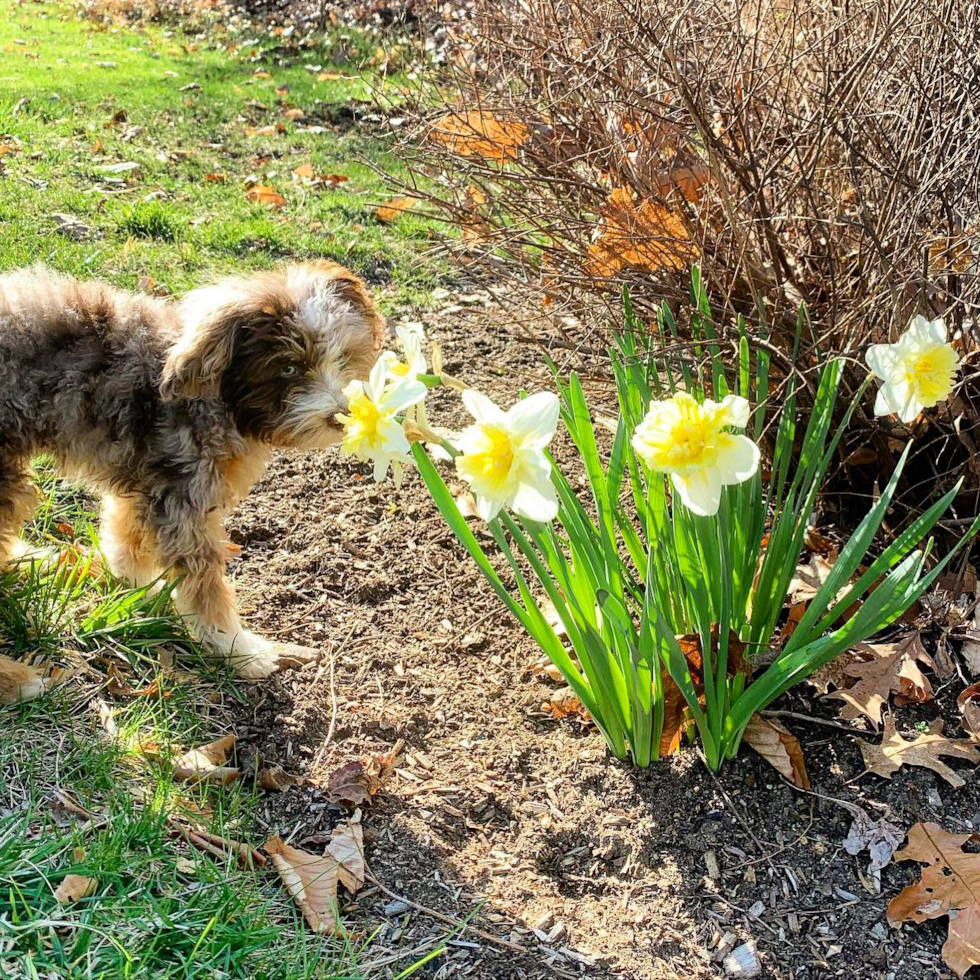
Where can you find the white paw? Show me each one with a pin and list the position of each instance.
(46, 556)
(251, 656)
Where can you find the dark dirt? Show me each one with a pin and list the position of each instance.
(497, 812)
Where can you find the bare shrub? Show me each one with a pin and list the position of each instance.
(800, 150)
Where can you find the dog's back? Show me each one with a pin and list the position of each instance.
(74, 359)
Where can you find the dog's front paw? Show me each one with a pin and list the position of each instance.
(251, 656)
(292, 656)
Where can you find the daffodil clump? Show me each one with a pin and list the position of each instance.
(683, 554)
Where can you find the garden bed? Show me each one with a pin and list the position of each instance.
(501, 812)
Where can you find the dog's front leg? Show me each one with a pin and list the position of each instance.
(190, 544)
(206, 599)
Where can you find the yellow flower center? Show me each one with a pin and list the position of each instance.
(930, 375)
(399, 369)
(362, 427)
(681, 441)
(492, 459)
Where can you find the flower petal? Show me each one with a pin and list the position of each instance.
(392, 438)
(533, 420)
(481, 408)
(925, 333)
(738, 458)
(736, 411)
(536, 502)
(898, 398)
(376, 379)
(487, 509)
(400, 395)
(886, 361)
(700, 492)
(380, 468)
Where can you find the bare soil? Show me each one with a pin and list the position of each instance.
(502, 816)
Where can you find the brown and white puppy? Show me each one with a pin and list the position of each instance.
(170, 410)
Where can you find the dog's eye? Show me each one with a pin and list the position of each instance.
(289, 371)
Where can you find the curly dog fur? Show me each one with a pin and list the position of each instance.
(169, 411)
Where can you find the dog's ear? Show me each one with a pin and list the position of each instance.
(204, 349)
(352, 289)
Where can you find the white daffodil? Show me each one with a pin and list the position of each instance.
(502, 456)
(688, 440)
(371, 431)
(917, 372)
(410, 337)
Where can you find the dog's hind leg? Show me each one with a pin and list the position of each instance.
(18, 498)
(128, 546)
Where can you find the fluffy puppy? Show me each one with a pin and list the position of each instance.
(170, 410)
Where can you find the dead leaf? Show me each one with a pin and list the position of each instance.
(306, 175)
(396, 207)
(347, 847)
(970, 652)
(644, 237)
(74, 888)
(355, 783)
(949, 886)
(71, 227)
(878, 837)
(277, 130)
(834, 674)
(969, 704)
(677, 715)
(206, 764)
(565, 703)
(215, 178)
(263, 194)
(349, 785)
(779, 747)
(809, 577)
(276, 779)
(119, 687)
(925, 750)
(891, 669)
(311, 881)
(479, 133)
(294, 115)
(19, 681)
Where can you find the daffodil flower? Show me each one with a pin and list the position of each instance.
(410, 337)
(371, 430)
(689, 440)
(502, 456)
(917, 372)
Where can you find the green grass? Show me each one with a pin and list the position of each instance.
(167, 221)
(78, 100)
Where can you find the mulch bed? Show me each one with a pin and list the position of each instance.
(579, 865)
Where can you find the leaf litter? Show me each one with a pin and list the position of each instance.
(312, 880)
(949, 886)
(926, 750)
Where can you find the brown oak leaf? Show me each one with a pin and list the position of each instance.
(950, 886)
(894, 752)
(890, 669)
